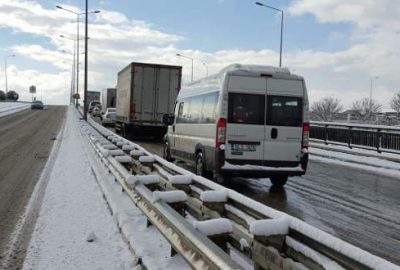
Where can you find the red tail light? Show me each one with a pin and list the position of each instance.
(221, 132)
(306, 135)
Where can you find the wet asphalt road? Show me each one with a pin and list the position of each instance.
(360, 207)
(26, 139)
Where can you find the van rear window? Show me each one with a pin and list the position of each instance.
(284, 111)
(246, 109)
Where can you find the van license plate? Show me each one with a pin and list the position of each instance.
(243, 147)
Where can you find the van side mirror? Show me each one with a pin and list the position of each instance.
(168, 119)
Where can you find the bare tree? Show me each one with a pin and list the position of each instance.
(395, 103)
(366, 108)
(326, 108)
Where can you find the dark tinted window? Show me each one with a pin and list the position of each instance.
(284, 111)
(246, 109)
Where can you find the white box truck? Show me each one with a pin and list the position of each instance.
(145, 92)
(108, 98)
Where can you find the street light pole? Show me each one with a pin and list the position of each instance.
(5, 70)
(370, 87)
(178, 54)
(370, 92)
(77, 38)
(77, 60)
(75, 65)
(281, 11)
(85, 102)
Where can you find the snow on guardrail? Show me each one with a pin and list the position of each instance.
(299, 245)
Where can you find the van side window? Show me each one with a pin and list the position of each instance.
(179, 118)
(284, 111)
(195, 109)
(198, 109)
(209, 110)
(246, 109)
(186, 110)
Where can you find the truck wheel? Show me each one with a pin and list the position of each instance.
(279, 180)
(200, 170)
(167, 152)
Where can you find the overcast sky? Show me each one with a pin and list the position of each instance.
(336, 45)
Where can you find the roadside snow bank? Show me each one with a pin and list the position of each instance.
(72, 209)
(7, 108)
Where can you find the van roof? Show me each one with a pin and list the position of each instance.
(212, 83)
(254, 69)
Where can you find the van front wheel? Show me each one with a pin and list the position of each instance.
(279, 180)
(167, 152)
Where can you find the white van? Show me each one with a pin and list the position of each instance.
(247, 120)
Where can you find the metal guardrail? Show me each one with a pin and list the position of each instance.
(371, 137)
(202, 252)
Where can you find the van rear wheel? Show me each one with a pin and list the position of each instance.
(200, 170)
(279, 180)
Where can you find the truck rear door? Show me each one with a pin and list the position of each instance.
(144, 92)
(166, 91)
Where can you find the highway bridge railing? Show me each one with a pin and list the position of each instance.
(206, 223)
(371, 137)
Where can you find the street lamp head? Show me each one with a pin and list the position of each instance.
(96, 11)
(178, 54)
(259, 3)
(60, 7)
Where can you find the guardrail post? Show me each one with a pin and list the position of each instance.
(379, 140)
(350, 141)
(326, 135)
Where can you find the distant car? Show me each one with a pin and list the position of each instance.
(37, 105)
(93, 104)
(96, 110)
(108, 118)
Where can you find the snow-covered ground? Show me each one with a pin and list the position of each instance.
(357, 158)
(7, 108)
(73, 209)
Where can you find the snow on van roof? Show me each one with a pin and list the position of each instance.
(213, 82)
(255, 68)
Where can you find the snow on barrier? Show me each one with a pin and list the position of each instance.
(166, 194)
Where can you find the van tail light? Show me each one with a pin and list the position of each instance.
(221, 133)
(306, 135)
(220, 142)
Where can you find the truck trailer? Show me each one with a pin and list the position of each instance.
(108, 98)
(146, 92)
(93, 96)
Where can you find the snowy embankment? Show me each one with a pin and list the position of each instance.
(7, 108)
(383, 163)
(74, 229)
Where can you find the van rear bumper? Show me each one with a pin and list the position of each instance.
(260, 173)
(260, 168)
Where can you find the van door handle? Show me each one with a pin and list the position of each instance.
(274, 133)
